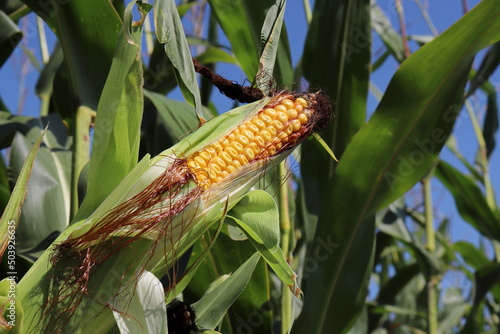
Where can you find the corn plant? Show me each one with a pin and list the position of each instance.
(125, 200)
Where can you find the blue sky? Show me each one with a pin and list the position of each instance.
(18, 77)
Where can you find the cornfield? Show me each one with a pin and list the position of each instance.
(127, 211)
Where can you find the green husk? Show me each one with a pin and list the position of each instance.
(45, 282)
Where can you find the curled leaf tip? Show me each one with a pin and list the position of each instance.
(325, 146)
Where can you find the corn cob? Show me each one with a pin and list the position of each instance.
(280, 125)
(178, 197)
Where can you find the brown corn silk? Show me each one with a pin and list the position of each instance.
(160, 214)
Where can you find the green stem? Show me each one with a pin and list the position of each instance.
(483, 158)
(432, 293)
(81, 151)
(44, 106)
(429, 215)
(285, 226)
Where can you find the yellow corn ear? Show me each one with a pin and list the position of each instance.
(280, 125)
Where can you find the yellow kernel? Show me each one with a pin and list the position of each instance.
(282, 117)
(265, 135)
(230, 169)
(236, 164)
(259, 123)
(266, 119)
(236, 132)
(302, 102)
(191, 163)
(272, 131)
(283, 137)
(292, 113)
(280, 108)
(213, 172)
(252, 127)
(232, 152)
(296, 125)
(217, 148)
(271, 150)
(277, 125)
(202, 177)
(200, 161)
(205, 155)
(298, 107)
(226, 157)
(254, 147)
(302, 118)
(224, 143)
(259, 141)
(287, 103)
(218, 179)
(242, 140)
(243, 160)
(219, 162)
(209, 150)
(242, 127)
(224, 174)
(249, 154)
(249, 134)
(237, 146)
(288, 129)
(270, 112)
(278, 145)
(231, 137)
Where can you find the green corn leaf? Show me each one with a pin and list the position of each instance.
(44, 85)
(270, 38)
(119, 113)
(485, 279)
(196, 262)
(337, 43)
(488, 66)
(177, 117)
(472, 255)
(215, 55)
(46, 209)
(339, 29)
(241, 22)
(214, 304)
(226, 256)
(88, 54)
(257, 215)
(10, 36)
(12, 213)
(491, 122)
(470, 201)
(236, 21)
(170, 32)
(392, 152)
(383, 27)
